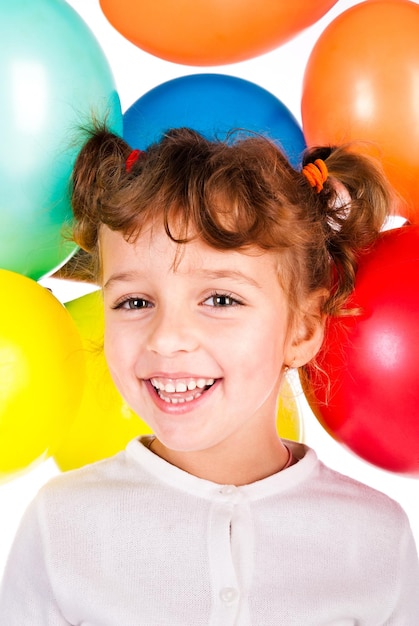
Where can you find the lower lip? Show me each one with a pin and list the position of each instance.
(181, 407)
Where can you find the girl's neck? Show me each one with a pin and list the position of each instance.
(241, 466)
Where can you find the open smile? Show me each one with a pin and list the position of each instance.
(181, 390)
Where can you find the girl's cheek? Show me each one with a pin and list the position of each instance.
(113, 349)
(120, 348)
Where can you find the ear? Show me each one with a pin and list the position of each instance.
(307, 331)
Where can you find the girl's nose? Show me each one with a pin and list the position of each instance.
(172, 331)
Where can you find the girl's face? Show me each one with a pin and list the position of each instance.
(197, 350)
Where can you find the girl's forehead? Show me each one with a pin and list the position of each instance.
(153, 251)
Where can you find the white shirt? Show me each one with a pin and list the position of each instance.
(135, 541)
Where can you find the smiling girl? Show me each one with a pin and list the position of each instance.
(219, 265)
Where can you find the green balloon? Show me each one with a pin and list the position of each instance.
(54, 78)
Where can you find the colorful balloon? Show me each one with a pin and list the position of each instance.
(205, 32)
(365, 390)
(289, 421)
(41, 373)
(53, 78)
(212, 104)
(104, 423)
(360, 83)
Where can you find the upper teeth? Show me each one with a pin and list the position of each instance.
(180, 386)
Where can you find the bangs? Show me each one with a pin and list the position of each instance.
(221, 194)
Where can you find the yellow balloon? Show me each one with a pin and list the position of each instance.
(104, 423)
(289, 419)
(41, 373)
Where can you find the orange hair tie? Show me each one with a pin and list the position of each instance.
(316, 173)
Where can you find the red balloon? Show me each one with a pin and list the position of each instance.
(365, 390)
(361, 83)
(211, 32)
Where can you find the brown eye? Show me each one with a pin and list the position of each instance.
(134, 304)
(137, 303)
(221, 300)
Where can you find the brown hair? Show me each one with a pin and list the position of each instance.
(237, 194)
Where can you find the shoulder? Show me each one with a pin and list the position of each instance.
(327, 492)
(360, 503)
(90, 484)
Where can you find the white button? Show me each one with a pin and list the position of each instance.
(229, 595)
(228, 490)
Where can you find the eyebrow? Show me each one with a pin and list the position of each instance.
(233, 274)
(236, 275)
(122, 277)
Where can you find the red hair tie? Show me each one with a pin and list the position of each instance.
(132, 158)
(316, 173)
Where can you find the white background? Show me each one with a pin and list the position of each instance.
(135, 72)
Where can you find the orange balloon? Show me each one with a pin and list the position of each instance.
(211, 32)
(361, 83)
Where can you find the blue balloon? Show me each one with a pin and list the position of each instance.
(212, 104)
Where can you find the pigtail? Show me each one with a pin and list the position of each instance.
(97, 172)
(353, 205)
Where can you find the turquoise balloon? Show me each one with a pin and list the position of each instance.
(54, 78)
